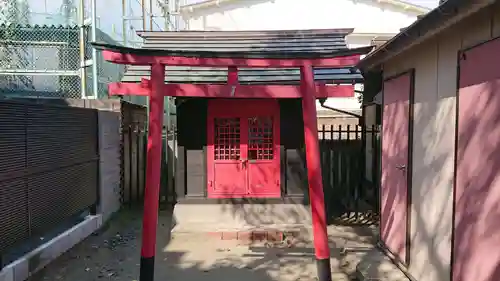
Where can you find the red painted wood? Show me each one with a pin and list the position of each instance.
(133, 59)
(153, 163)
(129, 89)
(225, 91)
(477, 192)
(232, 75)
(227, 176)
(234, 176)
(263, 153)
(394, 187)
(314, 175)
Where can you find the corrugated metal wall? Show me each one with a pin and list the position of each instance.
(49, 167)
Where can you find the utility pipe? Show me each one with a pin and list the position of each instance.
(322, 103)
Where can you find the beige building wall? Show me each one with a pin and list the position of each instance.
(435, 64)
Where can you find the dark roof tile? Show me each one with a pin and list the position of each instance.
(290, 41)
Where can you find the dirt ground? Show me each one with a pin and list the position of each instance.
(114, 252)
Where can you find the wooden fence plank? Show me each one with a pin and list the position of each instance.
(343, 160)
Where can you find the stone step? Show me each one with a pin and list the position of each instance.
(375, 265)
(341, 237)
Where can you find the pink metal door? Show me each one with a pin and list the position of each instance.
(476, 252)
(243, 157)
(394, 183)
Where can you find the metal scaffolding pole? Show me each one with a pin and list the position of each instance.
(143, 8)
(124, 22)
(95, 75)
(83, 66)
(170, 166)
(151, 15)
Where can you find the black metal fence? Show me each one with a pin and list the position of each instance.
(349, 159)
(133, 156)
(134, 163)
(49, 168)
(349, 164)
(134, 166)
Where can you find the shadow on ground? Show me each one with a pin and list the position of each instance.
(113, 254)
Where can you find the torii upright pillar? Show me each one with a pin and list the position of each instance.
(153, 173)
(314, 176)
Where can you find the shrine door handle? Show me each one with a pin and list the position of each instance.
(401, 167)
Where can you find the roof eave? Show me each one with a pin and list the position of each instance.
(447, 14)
(279, 33)
(231, 54)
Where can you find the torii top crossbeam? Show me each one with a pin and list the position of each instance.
(304, 50)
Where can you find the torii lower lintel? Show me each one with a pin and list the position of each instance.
(228, 91)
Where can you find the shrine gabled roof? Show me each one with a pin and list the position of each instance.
(250, 44)
(310, 41)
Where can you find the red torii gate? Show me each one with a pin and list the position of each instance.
(156, 90)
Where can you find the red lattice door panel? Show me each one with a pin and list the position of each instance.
(229, 174)
(263, 165)
(243, 149)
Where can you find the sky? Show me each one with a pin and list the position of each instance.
(425, 3)
(112, 23)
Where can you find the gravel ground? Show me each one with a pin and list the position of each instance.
(113, 254)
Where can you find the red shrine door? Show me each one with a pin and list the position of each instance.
(243, 148)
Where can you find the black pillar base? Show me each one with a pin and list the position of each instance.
(147, 269)
(324, 270)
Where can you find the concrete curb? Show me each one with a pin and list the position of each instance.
(24, 267)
